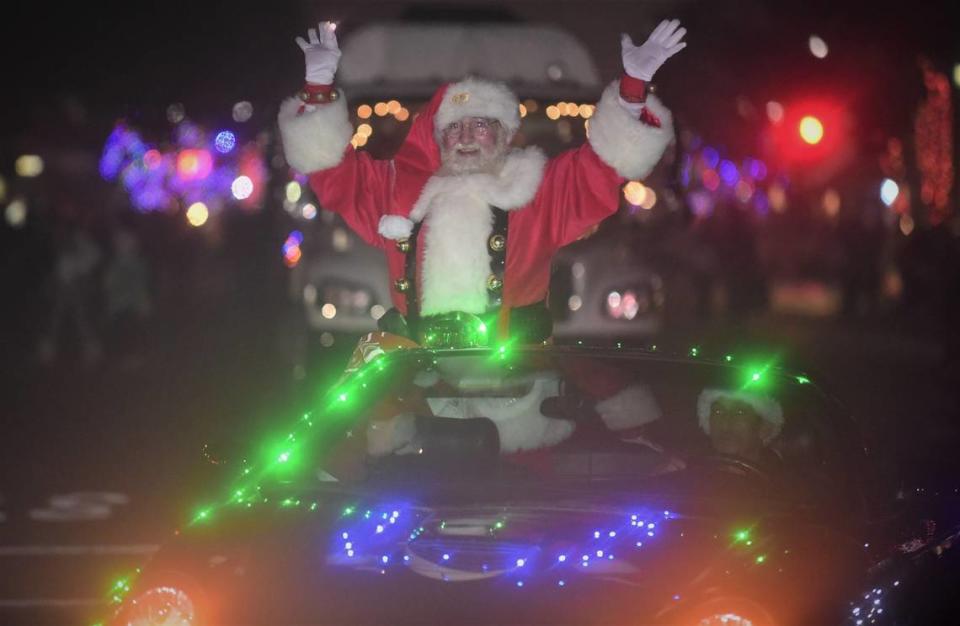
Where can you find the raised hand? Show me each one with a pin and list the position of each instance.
(664, 42)
(321, 53)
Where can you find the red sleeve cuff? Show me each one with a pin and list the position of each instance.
(313, 89)
(633, 89)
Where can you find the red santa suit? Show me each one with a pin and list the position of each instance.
(550, 203)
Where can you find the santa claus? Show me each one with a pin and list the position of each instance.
(469, 224)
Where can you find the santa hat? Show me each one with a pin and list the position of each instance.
(475, 97)
(766, 407)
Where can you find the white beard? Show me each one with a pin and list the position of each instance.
(458, 221)
(455, 164)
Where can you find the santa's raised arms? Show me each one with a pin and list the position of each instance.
(469, 224)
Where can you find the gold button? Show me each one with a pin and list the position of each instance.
(498, 243)
(403, 245)
(402, 284)
(494, 283)
(461, 98)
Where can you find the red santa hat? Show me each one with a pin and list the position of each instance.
(475, 97)
(766, 407)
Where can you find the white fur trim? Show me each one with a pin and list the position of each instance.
(314, 140)
(768, 408)
(395, 227)
(628, 408)
(625, 143)
(475, 97)
(458, 219)
(519, 422)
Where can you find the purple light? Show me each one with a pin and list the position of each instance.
(756, 168)
(711, 157)
(729, 173)
(761, 204)
(225, 141)
(702, 206)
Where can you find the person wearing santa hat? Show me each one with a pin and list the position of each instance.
(469, 224)
(740, 424)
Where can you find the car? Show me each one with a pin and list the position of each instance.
(561, 485)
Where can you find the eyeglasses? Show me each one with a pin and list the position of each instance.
(479, 126)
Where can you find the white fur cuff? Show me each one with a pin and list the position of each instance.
(625, 143)
(395, 227)
(314, 140)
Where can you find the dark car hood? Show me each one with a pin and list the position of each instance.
(348, 559)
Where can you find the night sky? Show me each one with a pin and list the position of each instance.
(72, 70)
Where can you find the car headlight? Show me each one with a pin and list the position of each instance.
(159, 606)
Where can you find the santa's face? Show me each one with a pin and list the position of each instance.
(472, 144)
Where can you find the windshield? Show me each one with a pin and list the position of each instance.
(544, 416)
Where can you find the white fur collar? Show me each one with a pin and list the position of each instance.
(513, 187)
(458, 221)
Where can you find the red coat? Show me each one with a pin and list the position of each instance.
(577, 189)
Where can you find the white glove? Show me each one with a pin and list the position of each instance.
(322, 54)
(664, 42)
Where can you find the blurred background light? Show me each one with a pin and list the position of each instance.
(775, 111)
(16, 213)
(308, 211)
(242, 111)
(811, 129)
(175, 113)
(649, 200)
(29, 165)
(242, 187)
(818, 47)
(225, 141)
(831, 202)
(293, 191)
(889, 190)
(197, 214)
(635, 192)
(193, 164)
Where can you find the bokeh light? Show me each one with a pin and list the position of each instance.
(293, 191)
(242, 111)
(242, 187)
(889, 190)
(811, 129)
(197, 214)
(308, 211)
(194, 164)
(818, 47)
(364, 111)
(225, 141)
(635, 192)
(831, 202)
(29, 165)
(16, 213)
(175, 113)
(775, 111)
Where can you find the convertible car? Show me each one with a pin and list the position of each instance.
(557, 485)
